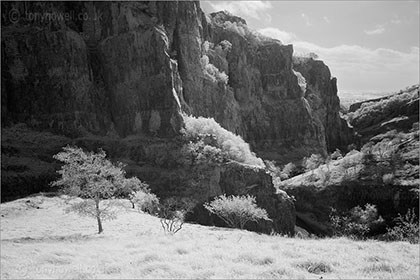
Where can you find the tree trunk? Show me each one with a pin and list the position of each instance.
(98, 216)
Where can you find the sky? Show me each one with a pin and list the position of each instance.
(370, 46)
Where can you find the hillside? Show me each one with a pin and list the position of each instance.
(383, 171)
(398, 111)
(39, 241)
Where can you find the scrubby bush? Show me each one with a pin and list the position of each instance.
(289, 170)
(388, 178)
(313, 162)
(130, 187)
(94, 178)
(172, 212)
(301, 80)
(212, 72)
(146, 201)
(236, 211)
(228, 145)
(336, 155)
(356, 223)
(274, 171)
(406, 228)
(382, 160)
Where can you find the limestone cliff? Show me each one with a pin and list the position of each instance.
(119, 75)
(131, 67)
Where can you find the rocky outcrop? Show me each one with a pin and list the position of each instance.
(131, 67)
(321, 93)
(108, 74)
(394, 112)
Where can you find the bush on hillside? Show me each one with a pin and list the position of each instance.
(274, 171)
(237, 211)
(313, 162)
(212, 72)
(406, 228)
(172, 212)
(382, 160)
(356, 223)
(130, 187)
(146, 201)
(336, 155)
(217, 142)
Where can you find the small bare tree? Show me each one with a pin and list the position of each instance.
(172, 213)
(93, 178)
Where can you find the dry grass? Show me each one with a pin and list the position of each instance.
(39, 241)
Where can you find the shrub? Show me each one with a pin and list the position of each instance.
(289, 170)
(93, 178)
(130, 187)
(146, 201)
(388, 178)
(313, 162)
(236, 211)
(274, 171)
(336, 155)
(356, 223)
(382, 160)
(301, 81)
(203, 152)
(172, 213)
(212, 72)
(406, 228)
(229, 145)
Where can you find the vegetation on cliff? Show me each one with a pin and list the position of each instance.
(209, 140)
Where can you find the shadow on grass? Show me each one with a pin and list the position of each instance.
(55, 238)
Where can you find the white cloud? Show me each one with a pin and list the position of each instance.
(283, 36)
(306, 19)
(326, 19)
(358, 68)
(379, 29)
(361, 69)
(253, 9)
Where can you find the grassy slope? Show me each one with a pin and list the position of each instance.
(46, 243)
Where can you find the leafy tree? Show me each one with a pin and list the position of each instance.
(236, 211)
(94, 178)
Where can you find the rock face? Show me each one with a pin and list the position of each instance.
(398, 111)
(114, 70)
(321, 93)
(131, 67)
(108, 74)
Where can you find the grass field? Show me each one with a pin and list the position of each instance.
(38, 240)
